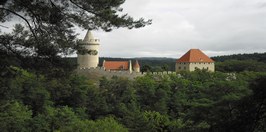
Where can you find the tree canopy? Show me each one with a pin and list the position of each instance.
(190, 101)
(49, 26)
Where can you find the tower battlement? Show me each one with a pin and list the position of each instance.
(91, 41)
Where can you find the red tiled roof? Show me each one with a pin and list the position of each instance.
(194, 55)
(116, 65)
(136, 65)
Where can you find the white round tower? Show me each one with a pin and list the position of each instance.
(88, 57)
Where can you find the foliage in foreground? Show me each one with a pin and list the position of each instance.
(197, 101)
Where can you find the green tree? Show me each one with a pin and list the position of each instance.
(251, 110)
(155, 122)
(14, 116)
(165, 67)
(33, 91)
(66, 120)
(105, 125)
(146, 68)
(145, 90)
(204, 101)
(26, 87)
(120, 96)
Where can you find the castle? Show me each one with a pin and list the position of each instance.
(88, 62)
(194, 59)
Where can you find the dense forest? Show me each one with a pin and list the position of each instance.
(189, 101)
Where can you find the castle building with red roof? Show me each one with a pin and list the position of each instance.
(194, 59)
(121, 66)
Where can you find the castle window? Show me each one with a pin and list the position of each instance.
(179, 67)
(184, 68)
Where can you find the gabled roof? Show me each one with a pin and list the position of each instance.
(194, 55)
(136, 65)
(116, 65)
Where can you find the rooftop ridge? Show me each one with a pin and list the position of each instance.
(194, 55)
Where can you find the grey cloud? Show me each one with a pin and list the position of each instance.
(217, 27)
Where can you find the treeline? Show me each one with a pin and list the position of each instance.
(189, 101)
(260, 57)
(241, 62)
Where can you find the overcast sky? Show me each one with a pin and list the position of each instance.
(218, 27)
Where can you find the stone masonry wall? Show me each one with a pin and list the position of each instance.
(99, 72)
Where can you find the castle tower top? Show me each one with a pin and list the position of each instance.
(136, 65)
(90, 39)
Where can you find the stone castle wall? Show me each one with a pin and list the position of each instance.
(99, 72)
(192, 66)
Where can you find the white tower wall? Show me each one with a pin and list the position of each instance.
(91, 58)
